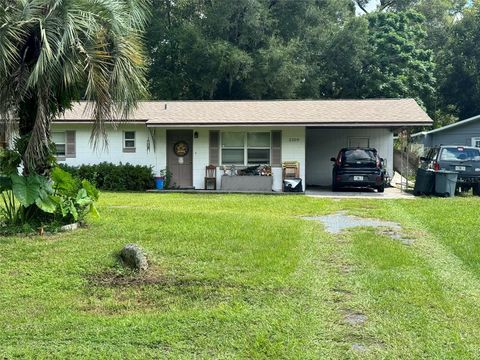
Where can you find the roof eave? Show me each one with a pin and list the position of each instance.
(459, 123)
(289, 124)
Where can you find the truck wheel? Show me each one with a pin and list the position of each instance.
(381, 188)
(476, 189)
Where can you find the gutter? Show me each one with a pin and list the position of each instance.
(317, 125)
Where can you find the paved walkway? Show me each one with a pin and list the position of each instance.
(390, 193)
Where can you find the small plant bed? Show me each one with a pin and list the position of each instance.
(39, 204)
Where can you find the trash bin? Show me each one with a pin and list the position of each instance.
(424, 182)
(445, 183)
(159, 182)
(292, 185)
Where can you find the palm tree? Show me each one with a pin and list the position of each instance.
(54, 52)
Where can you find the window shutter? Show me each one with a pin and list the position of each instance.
(276, 148)
(70, 150)
(214, 144)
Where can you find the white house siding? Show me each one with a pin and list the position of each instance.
(293, 149)
(85, 154)
(324, 143)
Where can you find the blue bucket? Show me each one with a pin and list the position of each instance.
(159, 182)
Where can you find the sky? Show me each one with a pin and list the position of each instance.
(371, 5)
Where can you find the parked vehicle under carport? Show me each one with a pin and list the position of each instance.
(358, 167)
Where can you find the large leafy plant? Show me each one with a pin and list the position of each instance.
(35, 199)
(74, 198)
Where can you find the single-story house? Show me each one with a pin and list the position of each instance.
(465, 132)
(188, 136)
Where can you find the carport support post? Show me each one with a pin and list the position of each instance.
(401, 170)
(408, 167)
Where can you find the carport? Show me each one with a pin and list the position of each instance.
(358, 123)
(324, 143)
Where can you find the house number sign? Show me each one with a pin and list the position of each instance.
(181, 148)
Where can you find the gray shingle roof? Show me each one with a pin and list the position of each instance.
(399, 112)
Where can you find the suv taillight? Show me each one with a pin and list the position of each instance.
(436, 166)
(339, 160)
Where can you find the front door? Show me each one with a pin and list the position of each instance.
(180, 158)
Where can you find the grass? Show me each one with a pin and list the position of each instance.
(239, 276)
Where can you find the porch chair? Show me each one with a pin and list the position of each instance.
(291, 169)
(211, 177)
(291, 177)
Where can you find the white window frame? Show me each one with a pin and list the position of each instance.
(64, 133)
(245, 147)
(476, 141)
(357, 138)
(124, 139)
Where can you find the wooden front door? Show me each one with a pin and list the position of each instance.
(180, 157)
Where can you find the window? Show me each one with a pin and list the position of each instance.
(233, 148)
(353, 156)
(460, 154)
(358, 142)
(258, 148)
(476, 142)
(129, 141)
(59, 139)
(241, 148)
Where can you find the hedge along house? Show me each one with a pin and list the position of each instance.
(188, 136)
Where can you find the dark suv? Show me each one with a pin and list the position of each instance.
(465, 160)
(358, 167)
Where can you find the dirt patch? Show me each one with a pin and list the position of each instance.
(397, 236)
(114, 292)
(355, 318)
(116, 279)
(341, 221)
(153, 277)
(359, 348)
(346, 269)
(341, 291)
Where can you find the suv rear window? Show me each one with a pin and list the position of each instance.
(459, 154)
(359, 155)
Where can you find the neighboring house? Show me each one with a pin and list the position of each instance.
(187, 136)
(465, 132)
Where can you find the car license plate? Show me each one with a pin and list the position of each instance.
(358, 178)
(460, 168)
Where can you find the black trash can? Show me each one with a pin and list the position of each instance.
(292, 185)
(424, 182)
(445, 183)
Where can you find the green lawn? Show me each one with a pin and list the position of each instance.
(237, 276)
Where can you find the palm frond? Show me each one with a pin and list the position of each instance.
(52, 49)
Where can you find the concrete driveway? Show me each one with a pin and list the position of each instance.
(354, 193)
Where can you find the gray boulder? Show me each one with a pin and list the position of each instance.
(134, 257)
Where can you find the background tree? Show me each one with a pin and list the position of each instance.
(247, 49)
(460, 61)
(268, 49)
(54, 52)
(400, 64)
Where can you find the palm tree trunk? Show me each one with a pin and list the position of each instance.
(27, 114)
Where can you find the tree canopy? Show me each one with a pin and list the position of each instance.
(269, 49)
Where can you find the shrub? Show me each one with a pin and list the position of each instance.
(30, 201)
(113, 177)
